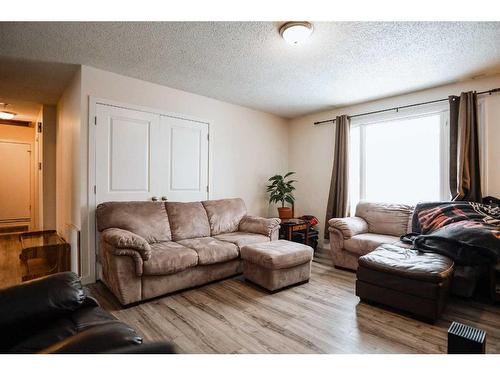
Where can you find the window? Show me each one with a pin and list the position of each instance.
(400, 159)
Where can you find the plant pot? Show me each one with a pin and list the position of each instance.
(285, 213)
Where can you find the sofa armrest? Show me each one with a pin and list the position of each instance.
(349, 226)
(121, 240)
(98, 339)
(28, 307)
(260, 225)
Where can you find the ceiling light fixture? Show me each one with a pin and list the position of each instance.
(6, 115)
(296, 32)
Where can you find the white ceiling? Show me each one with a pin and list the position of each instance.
(248, 63)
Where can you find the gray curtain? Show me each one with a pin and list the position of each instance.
(337, 197)
(465, 172)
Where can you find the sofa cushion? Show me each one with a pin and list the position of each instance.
(277, 254)
(211, 250)
(187, 220)
(224, 215)
(146, 219)
(385, 218)
(362, 244)
(169, 257)
(242, 238)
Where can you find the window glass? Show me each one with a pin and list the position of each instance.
(398, 161)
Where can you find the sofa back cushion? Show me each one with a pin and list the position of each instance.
(385, 218)
(187, 220)
(224, 215)
(146, 219)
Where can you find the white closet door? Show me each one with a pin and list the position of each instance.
(127, 159)
(15, 184)
(185, 177)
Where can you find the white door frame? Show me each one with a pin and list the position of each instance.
(89, 222)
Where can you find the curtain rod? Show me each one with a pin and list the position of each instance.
(403, 107)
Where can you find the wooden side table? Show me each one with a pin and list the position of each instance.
(288, 226)
(43, 253)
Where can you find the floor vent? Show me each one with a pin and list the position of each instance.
(464, 339)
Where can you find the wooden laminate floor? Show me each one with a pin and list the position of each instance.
(10, 265)
(322, 316)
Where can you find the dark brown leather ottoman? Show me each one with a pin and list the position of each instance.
(405, 279)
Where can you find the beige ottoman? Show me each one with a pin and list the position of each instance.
(277, 264)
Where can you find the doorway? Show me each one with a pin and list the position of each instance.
(16, 193)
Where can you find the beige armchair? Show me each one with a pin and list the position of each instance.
(373, 224)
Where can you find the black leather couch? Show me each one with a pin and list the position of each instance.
(54, 315)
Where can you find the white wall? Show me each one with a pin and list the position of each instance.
(314, 171)
(69, 163)
(247, 146)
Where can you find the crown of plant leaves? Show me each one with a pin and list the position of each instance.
(281, 189)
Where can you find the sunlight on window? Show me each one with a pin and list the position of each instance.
(396, 161)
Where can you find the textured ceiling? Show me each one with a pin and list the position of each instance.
(33, 81)
(248, 63)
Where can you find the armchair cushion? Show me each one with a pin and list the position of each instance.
(123, 239)
(259, 225)
(385, 218)
(349, 226)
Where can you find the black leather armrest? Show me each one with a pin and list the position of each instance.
(27, 307)
(42, 298)
(98, 339)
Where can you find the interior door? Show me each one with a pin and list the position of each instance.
(185, 174)
(127, 159)
(15, 184)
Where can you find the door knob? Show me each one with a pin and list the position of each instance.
(164, 198)
(154, 199)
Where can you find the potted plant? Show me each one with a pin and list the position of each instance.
(281, 190)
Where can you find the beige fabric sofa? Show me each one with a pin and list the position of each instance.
(152, 248)
(373, 224)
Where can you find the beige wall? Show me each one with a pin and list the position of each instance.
(17, 133)
(247, 146)
(492, 135)
(25, 134)
(314, 171)
(68, 165)
(49, 121)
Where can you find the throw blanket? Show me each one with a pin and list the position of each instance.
(467, 232)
